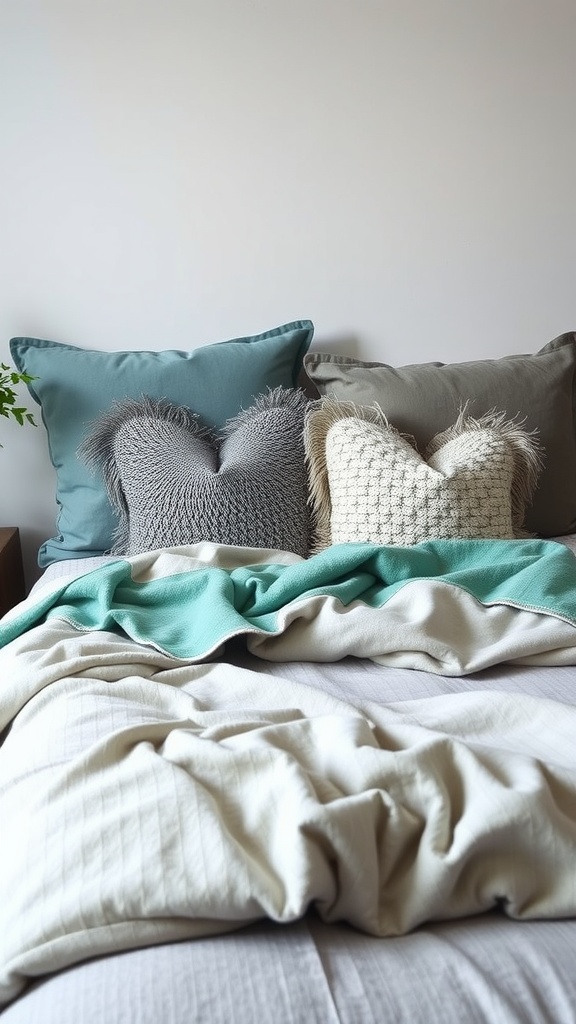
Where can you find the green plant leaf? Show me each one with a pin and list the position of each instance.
(9, 380)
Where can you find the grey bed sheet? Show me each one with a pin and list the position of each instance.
(482, 969)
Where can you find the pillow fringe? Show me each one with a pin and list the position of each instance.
(274, 398)
(320, 417)
(526, 450)
(527, 453)
(97, 449)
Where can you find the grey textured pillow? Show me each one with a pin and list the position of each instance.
(172, 481)
(425, 399)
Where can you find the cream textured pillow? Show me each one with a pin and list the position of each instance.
(369, 483)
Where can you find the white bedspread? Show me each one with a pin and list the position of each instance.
(145, 799)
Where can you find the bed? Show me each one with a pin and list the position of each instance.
(287, 725)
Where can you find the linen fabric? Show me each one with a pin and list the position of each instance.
(260, 800)
(509, 970)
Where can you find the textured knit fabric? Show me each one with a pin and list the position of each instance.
(370, 484)
(173, 482)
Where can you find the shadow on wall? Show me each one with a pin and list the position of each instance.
(339, 345)
(30, 541)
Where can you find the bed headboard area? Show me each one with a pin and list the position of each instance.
(175, 175)
(261, 443)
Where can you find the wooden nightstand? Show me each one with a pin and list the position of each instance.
(12, 587)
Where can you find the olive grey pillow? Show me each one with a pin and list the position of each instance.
(423, 400)
(173, 481)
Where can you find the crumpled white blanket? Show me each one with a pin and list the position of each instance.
(145, 800)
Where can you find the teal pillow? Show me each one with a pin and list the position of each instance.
(74, 386)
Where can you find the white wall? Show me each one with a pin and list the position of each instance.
(174, 173)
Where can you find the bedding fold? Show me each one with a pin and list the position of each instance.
(452, 607)
(144, 807)
(148, 796)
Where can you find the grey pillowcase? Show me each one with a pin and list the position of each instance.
(424, 399)
(172, 481)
